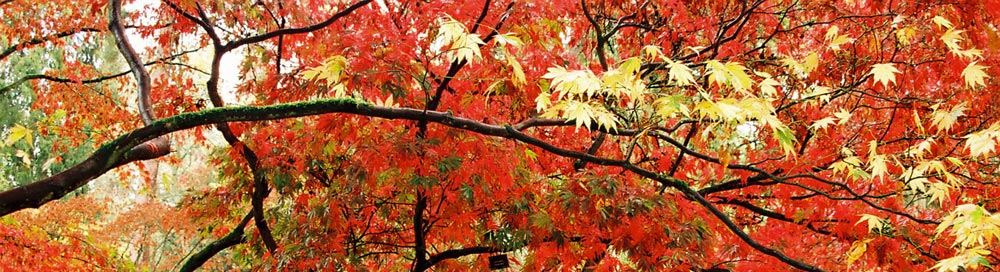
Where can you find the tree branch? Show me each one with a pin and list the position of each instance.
(458, 253)
(114, 153)
(234, 237)
(138, 70)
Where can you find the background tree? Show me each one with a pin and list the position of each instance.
(569, 135)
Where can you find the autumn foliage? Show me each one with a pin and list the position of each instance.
(564, 135)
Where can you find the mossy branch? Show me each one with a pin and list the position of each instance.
(119, 151)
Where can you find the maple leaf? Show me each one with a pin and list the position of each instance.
(941, 21)
(768, 87)
(680, 73)
(944, 120)
(836, 40)
(843, 115)
(517, 75)
(463, 46)
(858, 248)
(650, 52)
(509, 38)
(874, 222)
(432, 150)
(810, 63)
(974, 75)
(981, 142)
(822, 123)
(951, 38)
(17, 133)
(884, 73)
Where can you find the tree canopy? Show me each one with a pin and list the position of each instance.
(561, 135)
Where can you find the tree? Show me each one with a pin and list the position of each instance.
(646, 135)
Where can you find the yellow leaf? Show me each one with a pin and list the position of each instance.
(835, 39)
(980, 143)
(716, 72)
(630, 66)
(945, 119)
(25, 157)
(332, 70)
(577, 83)
(740, 79)
(969, 54)
(938, 192)
(579, 112)
(767, 87)
(466, 48)
(877, 165)
(843, 115)
(786, 138)
(542, 102)
(951, 38)
(730, 73)
(792, 64)
(667, 106)
(822, 123)
(810, 63)
(905, 35)
(874, 222)
(918, 150)
(839, 40)
(463, 46)
(680, 73)
(858, 249)
(16, 133)
(914, 179)
(651, 52)
(831, 32)
(509, 38)
(729, 111)
(941, 21)
(884, 73)
(388, 102)
(974, 75)
(517, 75)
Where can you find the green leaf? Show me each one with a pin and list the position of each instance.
(786, 139)
(530, 154)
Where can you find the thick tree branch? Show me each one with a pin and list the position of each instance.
(234, 237)
(458, 253)
(138, 69)
(120, 151)
(155, 147)
(419, 240)
(115, 153)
